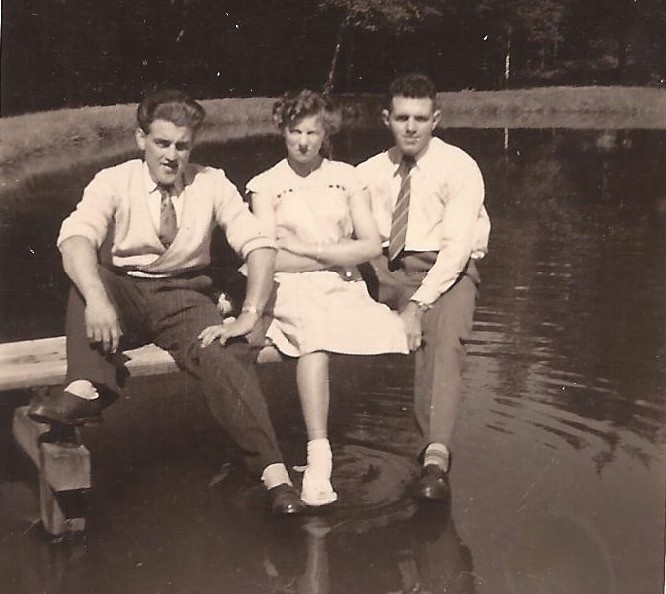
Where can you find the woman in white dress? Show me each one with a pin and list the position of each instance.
(320, 216)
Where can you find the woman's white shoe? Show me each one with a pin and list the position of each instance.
(317, 491)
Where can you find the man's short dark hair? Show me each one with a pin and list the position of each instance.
(412, 86)
(176, 107)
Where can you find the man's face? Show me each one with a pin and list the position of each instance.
(166, 149)
(411, 121)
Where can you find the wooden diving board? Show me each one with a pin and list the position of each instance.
(62, 461)
(42, 362)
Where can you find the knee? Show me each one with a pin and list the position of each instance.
(219, 356)
(218, 365)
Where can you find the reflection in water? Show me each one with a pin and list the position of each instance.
(414, 550)
(408, 550)
(558, 478)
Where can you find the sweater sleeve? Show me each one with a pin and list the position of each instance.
(93, 214)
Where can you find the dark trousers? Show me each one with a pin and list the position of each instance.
(171, 312)
(447, 327)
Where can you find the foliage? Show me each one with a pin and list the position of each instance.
(394, 16)
(541, 21)
(67, 53)
(537, 21)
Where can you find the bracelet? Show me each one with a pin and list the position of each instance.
(422, 307)
(251, 309)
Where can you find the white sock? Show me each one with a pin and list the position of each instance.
(320, 458)
(83, 389)
(437, 453)
(275, 475)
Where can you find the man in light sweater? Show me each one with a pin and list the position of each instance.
(427, 198)
(161, 211)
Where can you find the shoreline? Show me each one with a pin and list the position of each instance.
(558, 107)
(47, 142)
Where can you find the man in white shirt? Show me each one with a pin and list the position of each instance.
(159, 213)
(427, 198)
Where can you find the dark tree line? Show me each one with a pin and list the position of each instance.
(59, 53)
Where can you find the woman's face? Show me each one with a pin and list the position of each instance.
(304, 139)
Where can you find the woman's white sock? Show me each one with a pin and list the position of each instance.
(320, 458)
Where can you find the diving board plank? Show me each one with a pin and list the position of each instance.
(42, 362)
(65, 468)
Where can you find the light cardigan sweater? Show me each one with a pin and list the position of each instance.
(119, 196)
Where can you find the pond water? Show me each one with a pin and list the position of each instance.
(558, 482)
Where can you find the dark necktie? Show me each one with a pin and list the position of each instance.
(168, 220)
(401, 212)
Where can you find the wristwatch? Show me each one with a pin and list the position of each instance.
(251, 309)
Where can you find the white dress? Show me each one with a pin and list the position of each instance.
(320, 311)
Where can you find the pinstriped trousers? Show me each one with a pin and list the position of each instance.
(171, 312)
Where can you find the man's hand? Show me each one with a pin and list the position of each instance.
(412, 318)
(102, 325)
(230, 328)
(79, 258)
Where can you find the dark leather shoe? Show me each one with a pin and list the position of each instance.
(284, 500)
(433, 484)
(66, 409)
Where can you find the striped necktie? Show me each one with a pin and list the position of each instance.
(401, 212)
(168, 220)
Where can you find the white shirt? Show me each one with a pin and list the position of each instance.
(155, 198)
(446, 211)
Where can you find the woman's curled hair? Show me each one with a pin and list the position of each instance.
(293, 106)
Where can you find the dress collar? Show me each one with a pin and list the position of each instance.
(316, 170)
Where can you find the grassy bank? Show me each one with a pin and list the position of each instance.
(557, 107)
(40, 143)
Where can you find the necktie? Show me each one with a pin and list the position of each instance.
(401, 212)
(168, 221)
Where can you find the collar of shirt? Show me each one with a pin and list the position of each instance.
(155, 197)
(152, 186)
(396, 157)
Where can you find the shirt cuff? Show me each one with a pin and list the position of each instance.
(428, 295)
